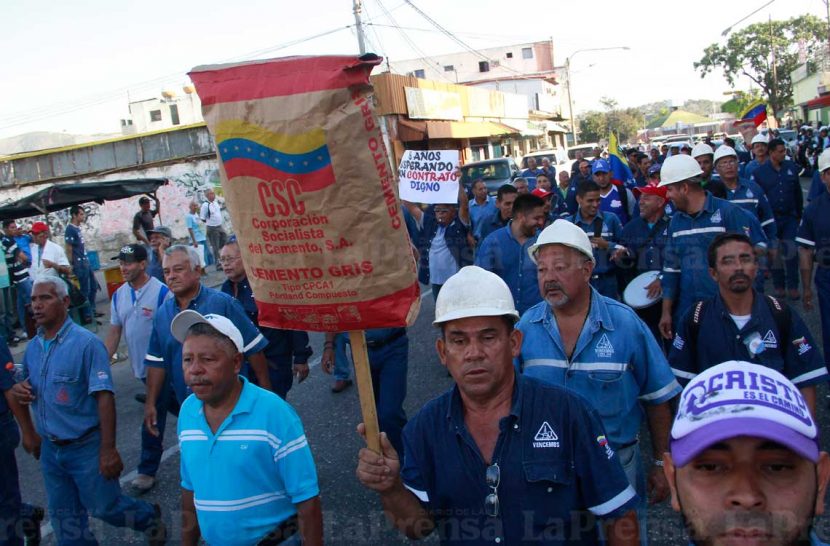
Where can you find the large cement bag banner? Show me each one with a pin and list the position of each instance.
(308, 185)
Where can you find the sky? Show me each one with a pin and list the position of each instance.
(73, 66)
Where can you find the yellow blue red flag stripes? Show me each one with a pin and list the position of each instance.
(755, 112)
(620, 173)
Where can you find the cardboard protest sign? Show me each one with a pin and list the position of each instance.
(308, 184)
(429, 176)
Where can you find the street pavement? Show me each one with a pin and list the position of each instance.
(352, 515)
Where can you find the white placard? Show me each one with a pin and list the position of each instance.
(429, 176)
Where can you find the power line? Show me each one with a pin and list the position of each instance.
(453, 37)
(470, 34)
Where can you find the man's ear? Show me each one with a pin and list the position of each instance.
(822, 475)
(671, 476)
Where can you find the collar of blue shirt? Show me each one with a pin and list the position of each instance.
(455, 410)
(598, 314)
(67, 324)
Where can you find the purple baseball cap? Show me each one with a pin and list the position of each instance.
(742, 399)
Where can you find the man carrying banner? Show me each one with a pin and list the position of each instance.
(442, 243)
(500, 458)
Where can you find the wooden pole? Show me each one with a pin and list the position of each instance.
(363, 375)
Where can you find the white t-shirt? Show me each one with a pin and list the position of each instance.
(740, 320)
(51, 252)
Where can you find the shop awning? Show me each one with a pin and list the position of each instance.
(554, 127)
(466, 129)
(524, 128)
(819, 102)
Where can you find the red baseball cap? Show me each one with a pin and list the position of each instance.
(651, 189)
(39, 227)
(539, 192)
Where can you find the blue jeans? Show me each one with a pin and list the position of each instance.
(632, 464)
(342, 366)
(10, 504)
(24, 298)
(787, 259)
(76, 490)
(87, 284)
(151, 446)
(389, 366)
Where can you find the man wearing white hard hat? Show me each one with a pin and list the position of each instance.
(704, 155)
(813, 239)
(745, 466)
(758, 146)
(247, 473)
(699, 217)
(599, 348)
(500, 458)
(779, 179)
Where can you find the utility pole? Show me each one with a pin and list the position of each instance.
(774, 74)
(361, 39)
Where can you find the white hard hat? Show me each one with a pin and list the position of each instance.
(701, 148)
(563, 232)
(759, 138)
(474, 292)
(678, 168)
(724, 151)
(824, 160)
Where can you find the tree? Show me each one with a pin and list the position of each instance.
(593, 126)
(750, 52)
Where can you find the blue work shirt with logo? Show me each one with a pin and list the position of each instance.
(645, 242)
(616, 363)
(749, 196)
(65, 372)
(814, 230)
(686, 276)
(556, 469)
(611, 231)
(782, 188)
(501, 253)
(165, 351)
(793, 353)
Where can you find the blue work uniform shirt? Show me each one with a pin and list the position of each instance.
(611, 230)
(249, 476)
(479, 211)
(749, 196)
(645, 243)
(555, 468)
(501, 253)
(750, 168)
(782, 188)
(817, 187)
(165, 351)
(65, 372)
(616, 363)
(814, 230)
(719, 339)
(488, 224)
(686, 276)
(282, 344)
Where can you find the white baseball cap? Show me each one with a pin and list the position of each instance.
(738, 398)
(187, 318)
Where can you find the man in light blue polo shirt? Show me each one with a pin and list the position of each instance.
(247, 471)
(504, 252)
(601, 349)
(164, 354)
(133, 307)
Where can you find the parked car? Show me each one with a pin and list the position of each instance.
(586, 149)
(558, 158)
(494, 172)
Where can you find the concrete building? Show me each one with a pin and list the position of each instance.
(166, 112)
(811, 91)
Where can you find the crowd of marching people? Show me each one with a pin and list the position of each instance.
(573, 309)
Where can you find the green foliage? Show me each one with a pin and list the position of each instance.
(595, 126)
(750, 51)
(740, 102)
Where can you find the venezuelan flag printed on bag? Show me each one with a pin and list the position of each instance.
(311, 193)
(620, 173)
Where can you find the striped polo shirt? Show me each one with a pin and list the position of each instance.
(248, 476)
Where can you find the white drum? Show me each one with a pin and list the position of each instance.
(636, 293)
